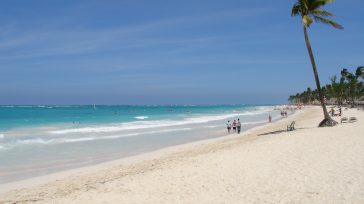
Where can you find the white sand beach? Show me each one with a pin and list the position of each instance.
(266, 164)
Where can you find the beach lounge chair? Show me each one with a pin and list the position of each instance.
(344, 120)
(352, 119)
(291, 127)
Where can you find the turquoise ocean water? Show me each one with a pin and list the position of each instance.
(38, 140)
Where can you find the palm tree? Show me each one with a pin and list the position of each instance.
(309, 11)
(292, 98)
(337, 89)
(354, 85)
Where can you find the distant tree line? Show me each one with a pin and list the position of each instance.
(346, 89)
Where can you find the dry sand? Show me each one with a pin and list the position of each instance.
(264, 165)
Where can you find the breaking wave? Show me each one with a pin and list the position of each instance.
(158, 123)
(45, 141)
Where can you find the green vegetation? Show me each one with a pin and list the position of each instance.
(309, 11)
(347, 90)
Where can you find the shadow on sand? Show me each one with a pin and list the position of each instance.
(279, 131)
(273, 132)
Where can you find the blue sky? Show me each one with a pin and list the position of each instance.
(167, 52)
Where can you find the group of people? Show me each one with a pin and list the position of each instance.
(235, 125)
(283, 113)
(332, 111)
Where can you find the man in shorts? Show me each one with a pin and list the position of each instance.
(234, 126)
(228, 126)
(238, 126)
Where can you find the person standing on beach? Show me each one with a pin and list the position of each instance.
(270, 118)
(340, 111)
(228, 126)
(234, 126)
(238, 126)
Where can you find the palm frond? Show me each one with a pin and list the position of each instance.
(344, 72)
(296, 9)
(321, 13)
(360, 72)
(315, 4)
(310, 10)
(328, 21)
(304, 4)
(333, 79)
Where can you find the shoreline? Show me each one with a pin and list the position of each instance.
(42, 179)
(266, 164)
(65, 166)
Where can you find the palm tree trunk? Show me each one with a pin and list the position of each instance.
(327, 120)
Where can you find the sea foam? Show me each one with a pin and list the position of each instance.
(156, 123)
(141, 117)
(46, 141)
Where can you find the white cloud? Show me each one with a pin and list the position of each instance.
(25, 44)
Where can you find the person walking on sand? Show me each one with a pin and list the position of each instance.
(228, 126)
(234, 126)
(270, 118)
(238, 126)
